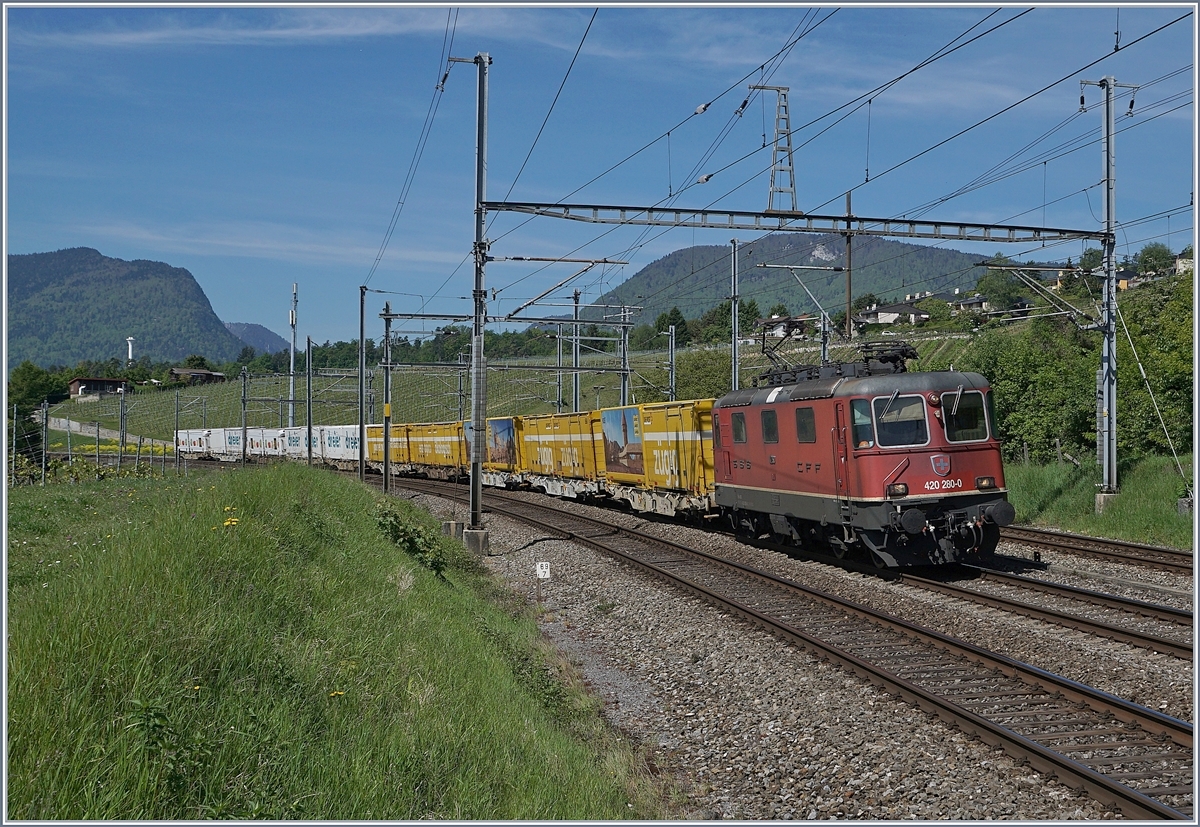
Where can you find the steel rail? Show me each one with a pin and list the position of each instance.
(1169, 559)
(1146, 641)
(1169, 614)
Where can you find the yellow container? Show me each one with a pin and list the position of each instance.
(663, 446)
(398, 443)
(440, 444)
(562, 445)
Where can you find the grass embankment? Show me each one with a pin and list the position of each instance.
(1063, 496)
(253, 645)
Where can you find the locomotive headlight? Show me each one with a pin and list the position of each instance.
(898, 489)
(984, 483)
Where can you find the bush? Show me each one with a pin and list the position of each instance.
(426, 546)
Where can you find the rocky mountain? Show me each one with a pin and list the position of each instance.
(76, 304)
(259, 337)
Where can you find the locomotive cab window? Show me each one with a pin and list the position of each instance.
(738, 423)
(901, 420)
(806, 425)
(964, 416)
(770, 426)
(860, 415)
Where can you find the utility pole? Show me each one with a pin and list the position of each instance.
(1106, 376)
(308, 394)
(476, 537)
(245, 382)
(671, 360)
(849, 300)
(558, 399)
(734, 384)
(292, 366)
(362, 383)
(575, 402)
(387, 397)
(624, 357)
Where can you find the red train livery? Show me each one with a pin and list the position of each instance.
(866, 457)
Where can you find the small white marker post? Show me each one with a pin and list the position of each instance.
(543, 573)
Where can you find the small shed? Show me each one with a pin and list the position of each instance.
(196, 376)
(97, 386)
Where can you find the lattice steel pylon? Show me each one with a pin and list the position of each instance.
(781, 154)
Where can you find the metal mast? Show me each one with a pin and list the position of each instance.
(292, 365)
(1106, 375)
(734, 307)
(781, 155)
(478, 368)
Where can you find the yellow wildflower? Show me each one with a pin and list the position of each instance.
(336, 693)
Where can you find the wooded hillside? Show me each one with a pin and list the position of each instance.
(76, 304)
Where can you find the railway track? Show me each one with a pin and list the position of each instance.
(1139, 623)
(1159, 557)
(1125, 755)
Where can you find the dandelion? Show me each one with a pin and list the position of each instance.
(336, 693)
(196, 688)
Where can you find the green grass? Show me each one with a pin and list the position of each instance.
(1145, 510)
(165, 662)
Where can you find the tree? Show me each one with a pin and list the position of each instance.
(1001, 288)
(863, 302)
(1091, 259)
(246, 356)
(29, 385)
(1155, 257)
(938, 310)
(748, 316)
(683, 335)
(197, 362)
(778, 309)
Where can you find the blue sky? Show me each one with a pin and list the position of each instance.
(258, 147)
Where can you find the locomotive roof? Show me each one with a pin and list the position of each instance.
(876, 385)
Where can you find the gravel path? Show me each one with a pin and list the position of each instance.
(752, 728)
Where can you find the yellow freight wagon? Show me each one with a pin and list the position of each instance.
(398, 444)
(561, 454)
(659, 456)
(439, 449)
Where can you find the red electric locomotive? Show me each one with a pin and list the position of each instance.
(865, 456)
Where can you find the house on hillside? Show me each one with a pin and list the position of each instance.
(902, 313)
(90, 388)
(196, 376)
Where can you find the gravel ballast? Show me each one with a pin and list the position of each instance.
(751, 727)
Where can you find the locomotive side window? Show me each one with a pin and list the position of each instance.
(965, 419)
(901, 420)
(738, 421)
(716, 430)
(806, 425)
(860, 414)
(770, 426)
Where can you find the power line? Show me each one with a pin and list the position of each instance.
(1008, 108)
(422, 139)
